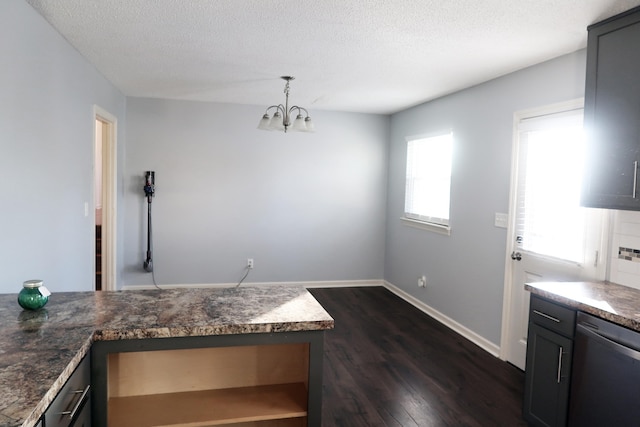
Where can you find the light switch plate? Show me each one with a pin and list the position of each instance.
(501, 220)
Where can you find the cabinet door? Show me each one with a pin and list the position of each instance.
(612, 114)
(547, 375)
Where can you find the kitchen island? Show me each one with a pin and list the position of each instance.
(40, 350)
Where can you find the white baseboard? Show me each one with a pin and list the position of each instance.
(176, 286)
(308, 284)
(343, 284)
(479, 340)
(445, 320)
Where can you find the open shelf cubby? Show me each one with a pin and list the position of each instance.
(255, 385)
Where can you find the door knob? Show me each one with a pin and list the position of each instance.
(516, 255)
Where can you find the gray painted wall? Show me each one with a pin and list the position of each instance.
(465, 271)
(46, 161)
(306, 207)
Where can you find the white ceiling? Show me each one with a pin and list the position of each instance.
(372, 56)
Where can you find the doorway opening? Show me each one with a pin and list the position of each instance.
(105, 199)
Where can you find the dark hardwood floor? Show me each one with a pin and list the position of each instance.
(387, 363)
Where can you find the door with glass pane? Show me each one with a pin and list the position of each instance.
(551, 237)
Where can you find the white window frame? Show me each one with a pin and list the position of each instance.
(438, 225)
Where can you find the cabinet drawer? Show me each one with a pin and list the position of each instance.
(552, 316)
(73, 396)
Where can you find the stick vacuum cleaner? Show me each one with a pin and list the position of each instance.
(149, 192)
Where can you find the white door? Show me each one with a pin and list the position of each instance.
(550, 237)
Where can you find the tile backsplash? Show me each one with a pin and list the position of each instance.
(629, 254)
(624, 262)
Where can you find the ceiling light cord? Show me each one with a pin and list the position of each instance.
(282, 116)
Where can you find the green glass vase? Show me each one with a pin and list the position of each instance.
(33, 295)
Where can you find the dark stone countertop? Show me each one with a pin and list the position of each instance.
(616, 303)
(39, 350)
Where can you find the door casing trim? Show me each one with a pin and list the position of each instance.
(109, 196)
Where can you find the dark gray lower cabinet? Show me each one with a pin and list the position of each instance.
(548, 367)
(547, 381)
(72, 405)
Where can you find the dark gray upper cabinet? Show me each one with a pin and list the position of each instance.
(612, 113)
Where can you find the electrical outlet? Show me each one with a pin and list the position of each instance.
(422, 282)
(249, 263)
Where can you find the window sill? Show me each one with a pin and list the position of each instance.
(429, 226)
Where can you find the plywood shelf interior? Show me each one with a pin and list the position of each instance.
(210, 407)
(243, 385)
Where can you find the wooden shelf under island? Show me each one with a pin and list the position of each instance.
(213, 407)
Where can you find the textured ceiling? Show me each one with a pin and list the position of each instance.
(373, 56)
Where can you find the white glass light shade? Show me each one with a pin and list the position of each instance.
(276, 122)
(299, 125)
(310, 126)
(264, 122)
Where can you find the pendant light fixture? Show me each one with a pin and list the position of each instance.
(281, 119)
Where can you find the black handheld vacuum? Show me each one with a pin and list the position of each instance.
(149, 192)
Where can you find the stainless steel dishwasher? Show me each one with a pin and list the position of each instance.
(605, 386)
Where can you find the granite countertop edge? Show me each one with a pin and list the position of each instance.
(51, 394)
(610, 301)
(210, 330)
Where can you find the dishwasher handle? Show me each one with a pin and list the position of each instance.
(608, 342)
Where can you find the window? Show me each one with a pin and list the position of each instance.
(428, 181)
(549, 219)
